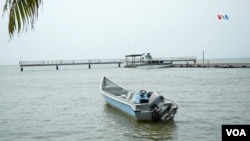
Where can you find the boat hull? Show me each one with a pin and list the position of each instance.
(149, 66)
(128, 108)
(120, 105)
(154, 66)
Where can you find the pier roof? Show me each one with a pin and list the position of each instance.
(134, 55)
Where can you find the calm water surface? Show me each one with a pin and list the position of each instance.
(48, 105)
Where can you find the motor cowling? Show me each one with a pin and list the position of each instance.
(155, 100)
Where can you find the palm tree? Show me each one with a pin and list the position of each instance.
(22, 15)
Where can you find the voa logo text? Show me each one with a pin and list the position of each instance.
(236, 132)
(222, 17)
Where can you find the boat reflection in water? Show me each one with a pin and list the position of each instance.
(133, 129)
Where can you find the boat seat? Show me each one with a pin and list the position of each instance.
(112, 88)
(118, 91)
(129, 95)
(124, 96)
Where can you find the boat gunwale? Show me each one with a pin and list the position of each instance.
(114, 97)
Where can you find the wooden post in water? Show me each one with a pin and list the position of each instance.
(57, 67)
(21, 69)
(119, 65)
(89, 66)
(203, 56)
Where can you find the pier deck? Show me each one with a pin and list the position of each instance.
(186, 63)
(89, 62)
(214, 65)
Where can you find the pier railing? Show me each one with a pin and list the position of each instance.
(165, 59)
(70, 62)
(178, 58)
(97, 61)
(89, 62)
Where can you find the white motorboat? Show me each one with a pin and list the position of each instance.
(141, 105)
(145, 60)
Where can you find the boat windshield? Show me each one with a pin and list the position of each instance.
(148, 57)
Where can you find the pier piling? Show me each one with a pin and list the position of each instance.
(203, 56)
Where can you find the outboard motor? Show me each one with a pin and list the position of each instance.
(156, 104)
(155, 100)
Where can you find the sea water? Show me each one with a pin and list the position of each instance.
(44, 104)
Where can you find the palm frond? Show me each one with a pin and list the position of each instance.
(22, 14)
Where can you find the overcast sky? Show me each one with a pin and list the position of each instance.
(93, 29)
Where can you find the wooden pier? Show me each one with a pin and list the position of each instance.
(89, 62)
(178, 59)
(213, 65)
(58, 63)
(181, 62)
